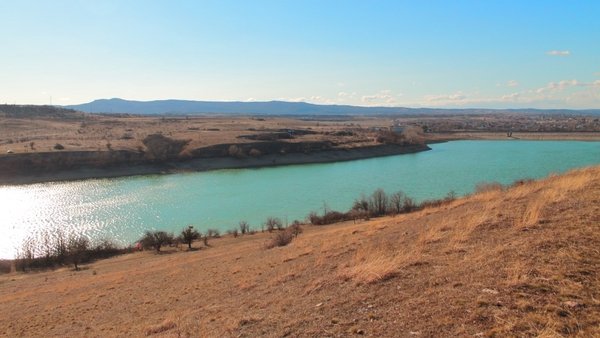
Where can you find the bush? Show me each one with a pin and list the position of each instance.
(273, 223)
(161, 147)
(254, 152)
(233, 232)
(282, 238)
(328, 218)
(52, 249)
(59, 146)
(244, 227)
(235, 151)
(5, 266)
(156, 239)
(378, 203)
(361, 204)
(215, 233)
(78, 250)
(295, 228)
(396, 202)
(188, 235)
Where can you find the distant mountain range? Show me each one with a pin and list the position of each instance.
(186, 107)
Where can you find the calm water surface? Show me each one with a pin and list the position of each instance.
(123, 208)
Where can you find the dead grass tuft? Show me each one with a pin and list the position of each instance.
(162, 327)
(375, 263)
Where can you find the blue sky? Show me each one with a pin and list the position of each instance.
(498, 54)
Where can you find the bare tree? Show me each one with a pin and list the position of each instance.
(156, 239)
(396, 202)
(78, 249)
(361, 204)
(378, 202)
(273, 223)
(244, 227)
(188, 235)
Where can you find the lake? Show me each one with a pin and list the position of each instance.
(123, 208)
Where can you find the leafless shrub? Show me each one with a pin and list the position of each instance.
(5, 266)
(273, 223)
(233, 232)
(235, 151)
(77, 250)
(244, 227)
(254, 152)
(295, 228)
(361, 204)
(215, 233)
(156, 239)
(328, 218)
(396, 202)
(378, 203)
(281, 238)
(163, 147)
(51, 248)
(409, 205)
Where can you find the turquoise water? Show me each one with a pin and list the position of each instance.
(122, 208)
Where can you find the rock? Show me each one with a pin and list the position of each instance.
(490, 291)
(319, 305)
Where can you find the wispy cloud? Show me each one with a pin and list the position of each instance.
(557, 86)
(446, 98)
(564, 84)
(344, 95)
(382, 97)
(559, 52)
(512, 83)
(511, 97)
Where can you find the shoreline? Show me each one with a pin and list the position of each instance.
(214, 163)
(207, 163)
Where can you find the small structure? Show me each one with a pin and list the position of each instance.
(397, 128)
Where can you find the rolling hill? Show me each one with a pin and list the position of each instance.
(158, 107)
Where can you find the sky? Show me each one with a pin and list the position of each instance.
(450, 54)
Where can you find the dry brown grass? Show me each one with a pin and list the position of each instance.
(519, 262)
(372, 264)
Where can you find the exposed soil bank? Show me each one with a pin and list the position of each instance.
(66, 166)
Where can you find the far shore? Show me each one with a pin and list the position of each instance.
(533, 136)
(270, 160)
(215, 163)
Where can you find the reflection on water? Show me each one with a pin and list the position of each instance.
(123, 208)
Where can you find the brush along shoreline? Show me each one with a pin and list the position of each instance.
(28, 168)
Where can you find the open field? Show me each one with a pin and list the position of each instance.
(517, 262)
(40, 132)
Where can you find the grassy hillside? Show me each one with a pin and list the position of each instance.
(517, 262)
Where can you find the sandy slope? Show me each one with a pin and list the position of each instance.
(521, 262)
